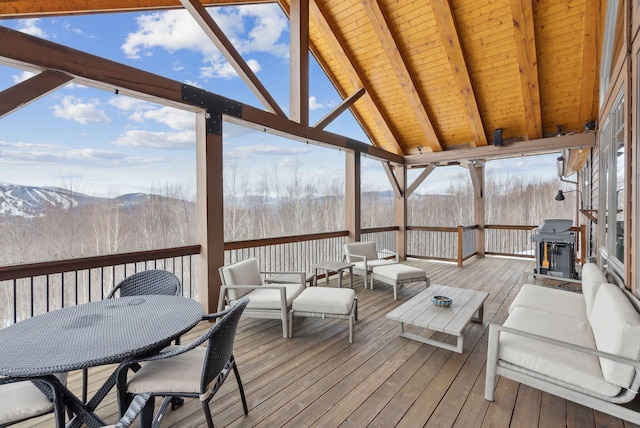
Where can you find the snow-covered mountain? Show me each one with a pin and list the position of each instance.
(31, 201)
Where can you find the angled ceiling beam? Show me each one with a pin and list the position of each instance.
(299, 61)
(590, 60)
(215, 34)
(347, 62)
(518, 148)
(380, 25)
(445, 21)
(392, 179)
(418, 181)
(31, 9)
(523, 30)
(25, 92)
(344, 105)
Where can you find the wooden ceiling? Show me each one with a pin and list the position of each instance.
(437, 77)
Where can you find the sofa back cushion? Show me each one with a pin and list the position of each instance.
(592, 278)
(616, 329)
(245, 272)
(366, 249)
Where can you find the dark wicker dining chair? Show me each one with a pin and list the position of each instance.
(148, 282)
(143, 283)
(190, 370)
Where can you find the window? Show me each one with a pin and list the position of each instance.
(612, 186)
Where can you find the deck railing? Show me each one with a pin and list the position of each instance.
(30, 289)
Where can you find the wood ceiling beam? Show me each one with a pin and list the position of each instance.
(344, 105)
(445, 21)
(590, 60)
(299, 61)
(22, 50)
(380, 25)
(418, 181)
(220, 40)
(514, 149)
(28, 91)
(525, 42)
(32, 9)
(393, 180)
(347, 62)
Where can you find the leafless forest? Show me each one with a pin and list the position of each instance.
(167, 219)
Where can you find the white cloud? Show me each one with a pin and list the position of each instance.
(250, 29)
(25, 75)
(30, 26)
(175, 119)
(158, 140)
(315, 105)
(64, 157)
(130, 104)
(81, 111)
(23, 145)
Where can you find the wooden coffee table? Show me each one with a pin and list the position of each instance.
(419, 311)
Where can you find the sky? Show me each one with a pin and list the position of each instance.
(104, 144)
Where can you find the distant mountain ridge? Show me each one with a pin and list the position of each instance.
(32, 201)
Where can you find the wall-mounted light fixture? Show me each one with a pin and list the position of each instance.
(497, 137)
(587, 213)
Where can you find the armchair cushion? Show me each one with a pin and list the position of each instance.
(363, 249)
(269, 296)
(245, 272)
(176, 374)
(616, 328)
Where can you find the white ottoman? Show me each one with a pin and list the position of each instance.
(325, 302)
(398, 275)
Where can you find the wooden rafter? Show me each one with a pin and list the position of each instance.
(445, 21)
(523, 30)
(380, 25)
(358, 80)
(30, 8)
(299, 61)
(23, 93)
(215, 34)
(590, 54)
(344, 105)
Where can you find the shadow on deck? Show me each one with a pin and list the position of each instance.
(381, 380)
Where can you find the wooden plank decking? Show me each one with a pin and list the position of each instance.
(381, 380)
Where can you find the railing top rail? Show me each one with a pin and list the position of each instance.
(265, 242)
(57, 266)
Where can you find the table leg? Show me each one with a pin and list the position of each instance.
(315, 277)
(350, 276)
(480, 314)
(340, 278)
(326, 277)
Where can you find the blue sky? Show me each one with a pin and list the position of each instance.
(106, 144)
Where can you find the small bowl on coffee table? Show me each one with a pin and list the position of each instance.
(442, 301)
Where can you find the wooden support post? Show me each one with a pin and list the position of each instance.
(400, 206)
(352, 195)
(460, 244)
(210, 208)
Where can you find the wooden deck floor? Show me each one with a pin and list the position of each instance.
(381, 380)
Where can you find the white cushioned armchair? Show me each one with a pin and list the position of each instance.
(364, 257)
(272, 301)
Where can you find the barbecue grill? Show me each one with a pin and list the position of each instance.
(554, 245)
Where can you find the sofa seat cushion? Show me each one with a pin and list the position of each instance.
(545, 299)
(592, 279)
(400, 273)
(269, 298)
(616, 329)
(572, 367)
(324, 300)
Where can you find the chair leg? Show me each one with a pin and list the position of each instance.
(207, 413)
(244, 400)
